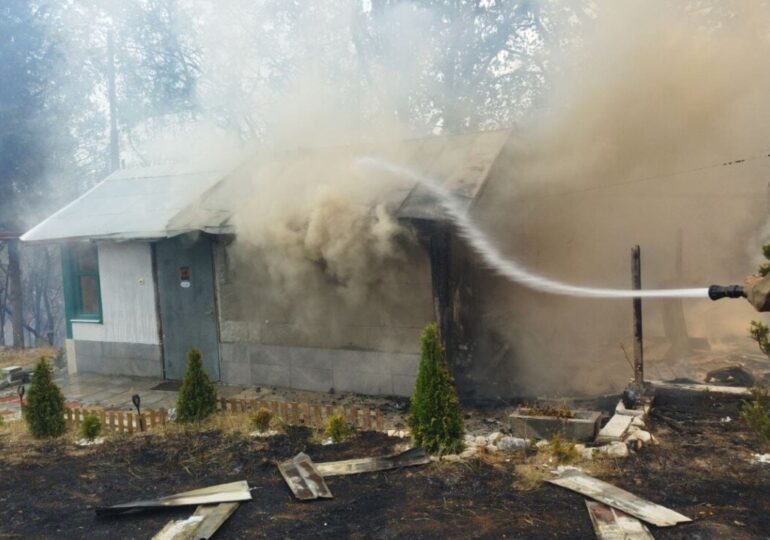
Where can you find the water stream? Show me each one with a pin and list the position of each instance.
(505, 266)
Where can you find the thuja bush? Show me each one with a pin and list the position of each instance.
(197, 398)
(337, 429)
(91, 427)
(435, 418)
(44, 408)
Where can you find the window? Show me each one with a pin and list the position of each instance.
(81, 282)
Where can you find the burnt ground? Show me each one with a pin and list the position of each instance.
(702, 468)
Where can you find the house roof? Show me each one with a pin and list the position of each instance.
(128, 204)
(163, 201)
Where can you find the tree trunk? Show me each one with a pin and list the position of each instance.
(17, 301)
(47, 299)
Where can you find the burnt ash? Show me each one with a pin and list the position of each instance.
(703, 471)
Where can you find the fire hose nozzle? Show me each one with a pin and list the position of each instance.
(727, 291)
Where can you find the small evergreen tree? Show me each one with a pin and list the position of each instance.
(44, 410)
(337, 429)
(91, 427)
(197, 398)
(435, 419)
(758, 330)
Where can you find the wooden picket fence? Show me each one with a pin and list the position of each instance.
(308, 414)
(291, 413)
(117, 421)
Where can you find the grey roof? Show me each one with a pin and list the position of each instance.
(159, 202)
(129, 204)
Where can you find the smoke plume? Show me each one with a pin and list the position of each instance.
(642, 119)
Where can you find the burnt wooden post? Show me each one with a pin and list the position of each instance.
(636, 284)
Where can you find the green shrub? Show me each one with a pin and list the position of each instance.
(91, 427)
(756, 414)
(435, 418)
(760, 332)
(44, 407)
(197, 398)
(337, 429)
(563, 451)
(261, 420)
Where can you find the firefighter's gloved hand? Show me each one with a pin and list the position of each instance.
(757, 290)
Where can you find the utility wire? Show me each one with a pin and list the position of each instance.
(655, 177)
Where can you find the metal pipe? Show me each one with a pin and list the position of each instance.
(636, 284)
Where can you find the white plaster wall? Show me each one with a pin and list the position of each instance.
(128, 296)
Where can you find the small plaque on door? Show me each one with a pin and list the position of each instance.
(184, 277)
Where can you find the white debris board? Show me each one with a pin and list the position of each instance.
(303, 478)
(615, 428)
(619, 498)
(613, 524)
(202, 525)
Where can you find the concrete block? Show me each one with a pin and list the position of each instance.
(270, 375)
(269, 355)
(582, 427)
(117, 350)
(301, 358)
(111, 358)
(316, 379)
(234, 352)
(236, 373)
(234, 331)
(88, 348)
(621, 409)
(363, 362)
(362, 382)
(615, 428)
(404, 364)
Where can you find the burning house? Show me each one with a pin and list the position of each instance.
(160, 259)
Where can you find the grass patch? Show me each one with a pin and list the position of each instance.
(530, 476)
(25, 357)
(559, 411)
(563, 451)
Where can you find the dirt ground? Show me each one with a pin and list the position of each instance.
(702, 468)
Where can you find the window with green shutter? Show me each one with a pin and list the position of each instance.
(81, 283)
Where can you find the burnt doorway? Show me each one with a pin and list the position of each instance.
(185, 277)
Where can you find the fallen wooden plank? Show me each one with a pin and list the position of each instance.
(615, 428)
(202, 525)
(232, 492)
(213, 518)
(618, 498)
(303, 479)
(612, 524)
(180, 529)
(410, 458)
(702, 388)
